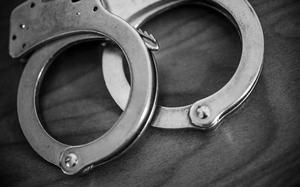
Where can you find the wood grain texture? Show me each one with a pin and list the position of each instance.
(259, 145)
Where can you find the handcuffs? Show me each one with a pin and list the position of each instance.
(44, 28)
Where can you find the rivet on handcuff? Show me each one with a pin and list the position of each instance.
(46, 28)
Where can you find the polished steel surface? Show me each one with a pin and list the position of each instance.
(256, 146)
(89, 20)
(30, 26)
(219, 104)
(80, 19)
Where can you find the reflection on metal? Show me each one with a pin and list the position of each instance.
(149, 40)
(47, 27)
(92, 24)
(219, 104)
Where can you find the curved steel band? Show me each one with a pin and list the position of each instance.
(82, 24)
(219, 104)
(222, 102)
(137, 114)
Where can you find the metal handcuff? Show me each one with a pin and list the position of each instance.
(206, 113)
(47, 27)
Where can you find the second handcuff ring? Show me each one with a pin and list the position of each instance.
(206, 113)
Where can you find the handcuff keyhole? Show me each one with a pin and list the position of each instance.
(14, 37)
(95, 8)
(75, 1)
(32, 5)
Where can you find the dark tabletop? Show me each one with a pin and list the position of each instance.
(258, 145)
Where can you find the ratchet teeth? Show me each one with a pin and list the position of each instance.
(149, 40)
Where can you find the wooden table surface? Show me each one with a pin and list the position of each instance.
(259, 145)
